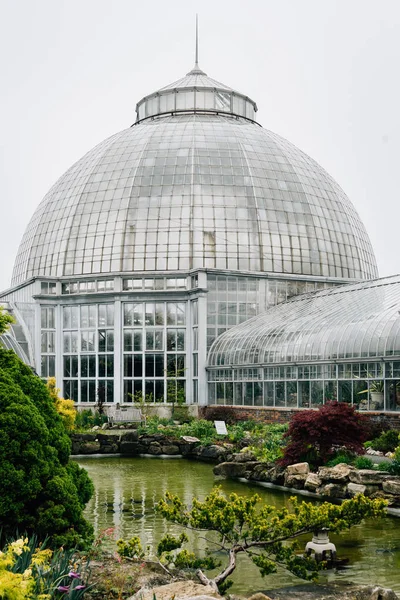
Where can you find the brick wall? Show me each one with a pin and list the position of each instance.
(281, 415)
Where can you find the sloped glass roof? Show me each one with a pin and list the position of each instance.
(348, 322)
(8, 342)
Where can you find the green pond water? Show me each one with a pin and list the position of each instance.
(127, 488)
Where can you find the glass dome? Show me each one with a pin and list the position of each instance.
(195, 183)
(359, 321)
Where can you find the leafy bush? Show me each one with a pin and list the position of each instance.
(314, 436)
(221, 413)
(204, 430)
(39, 492)
(394, 466)
(86, 419)
(362, 462)
(386, 442)
(267, 441)
(341, 458)
(65, 408)
(131, 548)
(384, 466)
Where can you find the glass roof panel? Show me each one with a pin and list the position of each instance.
(353, 321)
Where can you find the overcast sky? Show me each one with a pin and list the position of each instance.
(324, 73)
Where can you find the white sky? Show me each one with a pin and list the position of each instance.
(324, 73)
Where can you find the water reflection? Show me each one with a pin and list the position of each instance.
(126, 490)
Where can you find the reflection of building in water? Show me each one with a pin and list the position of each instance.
(175, 231)
(126, 491)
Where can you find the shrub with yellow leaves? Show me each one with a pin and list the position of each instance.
(65, 408)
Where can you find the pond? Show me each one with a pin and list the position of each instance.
(126, 490)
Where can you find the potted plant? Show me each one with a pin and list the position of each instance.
(376, 390)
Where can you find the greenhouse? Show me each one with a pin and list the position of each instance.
(338, 344)
(168, 234)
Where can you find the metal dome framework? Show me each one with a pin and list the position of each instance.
(195, 191)
(169, 233)
(342, 343)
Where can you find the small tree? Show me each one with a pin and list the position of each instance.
(266, 534)
(315, 435)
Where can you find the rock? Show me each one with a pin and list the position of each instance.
(332, 490)
(213, 452)
(95, 428)
(89, 448)
(259, 596)
(190, 439)
(130, 448)
(130, 436)
(88, 437)
(332, 591)
(105, 426)
(392, 486)
(295, 481)
(355, 488)
(312, 482)
(261, 473)
(250, 466)
(244, 457)
(298, 469)
(155, 449)
(170, 449)
(230, 469)
(375, 593)
(277, 475)
(368, 476)
(180, 590)
(340, 473)
(109, 449)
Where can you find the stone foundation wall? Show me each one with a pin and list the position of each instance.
(130, 443)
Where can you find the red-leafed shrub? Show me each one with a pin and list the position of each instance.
(315, 435)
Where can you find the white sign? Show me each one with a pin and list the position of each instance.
(221, 427)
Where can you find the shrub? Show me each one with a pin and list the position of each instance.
(386, 442)
(340, 459)
(394, 466)
(131, 548)
(384, 466)
(268, 441)
(39, 491)
(362, 462)
(221, 413)
(86, 419)
(314, 436)
(65, 408)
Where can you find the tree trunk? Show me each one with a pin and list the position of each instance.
(222, 576)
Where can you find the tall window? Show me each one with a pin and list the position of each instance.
(47, 341)
(154, 345)
(88, 352)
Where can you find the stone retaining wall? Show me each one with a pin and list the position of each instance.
(129, 443)
(341, 481)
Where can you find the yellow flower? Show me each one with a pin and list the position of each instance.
(27, 573)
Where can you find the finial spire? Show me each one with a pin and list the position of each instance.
(196, 62)
(196, 69)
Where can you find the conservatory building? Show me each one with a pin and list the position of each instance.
(339, 344)
(170, 238)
